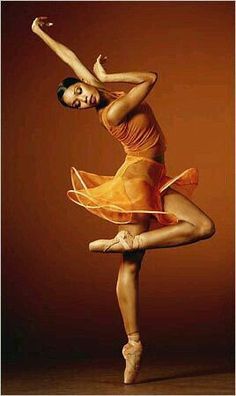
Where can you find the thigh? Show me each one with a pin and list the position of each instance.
(183, 208)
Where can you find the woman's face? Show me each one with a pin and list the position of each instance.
(81, 96)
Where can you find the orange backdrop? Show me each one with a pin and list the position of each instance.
(58, 296)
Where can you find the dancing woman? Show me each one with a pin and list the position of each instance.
(140, 191)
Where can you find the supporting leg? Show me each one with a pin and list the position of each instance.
(127, 290)
(128, 280)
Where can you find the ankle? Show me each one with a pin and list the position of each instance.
(134, 336)
(138, 242)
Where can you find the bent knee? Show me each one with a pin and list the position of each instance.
(206, 228)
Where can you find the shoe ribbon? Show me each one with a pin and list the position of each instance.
(123, 237)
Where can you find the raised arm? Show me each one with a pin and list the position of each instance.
(121, 107)
(65, 53)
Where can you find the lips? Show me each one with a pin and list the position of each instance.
(92, 100)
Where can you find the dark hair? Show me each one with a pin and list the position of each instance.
(66, 83)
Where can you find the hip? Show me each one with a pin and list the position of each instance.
(137, 169)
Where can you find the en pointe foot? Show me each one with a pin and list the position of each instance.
(122, 242)
(132, 353)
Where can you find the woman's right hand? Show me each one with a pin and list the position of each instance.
(40, 22)
(98, 68)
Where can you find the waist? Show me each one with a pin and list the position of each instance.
(155, 151)
(150, 154)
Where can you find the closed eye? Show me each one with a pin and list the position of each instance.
(78, 91)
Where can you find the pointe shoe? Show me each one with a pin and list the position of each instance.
(132, 353)
(124, 241)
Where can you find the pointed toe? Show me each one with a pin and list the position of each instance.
(95, 246)
(132, 353)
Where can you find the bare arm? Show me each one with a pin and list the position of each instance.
(65, 54)
(121, 107)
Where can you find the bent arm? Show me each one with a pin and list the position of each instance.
(69, 58)
(131, 77)
(120, 108)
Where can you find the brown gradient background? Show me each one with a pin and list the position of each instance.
(58, 298)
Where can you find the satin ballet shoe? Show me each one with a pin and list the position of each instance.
(122, 242)
(132, 353)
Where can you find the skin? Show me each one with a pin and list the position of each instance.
(82, 96)
(194, 224)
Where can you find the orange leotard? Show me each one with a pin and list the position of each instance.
(139, 132)
(140, 181)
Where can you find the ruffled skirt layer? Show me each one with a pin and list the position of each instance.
(137, 187)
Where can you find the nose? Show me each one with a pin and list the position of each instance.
(84, 98)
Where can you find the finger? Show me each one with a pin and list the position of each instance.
(43, 17)
(49, 24)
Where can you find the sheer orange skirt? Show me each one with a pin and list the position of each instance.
(136, 187)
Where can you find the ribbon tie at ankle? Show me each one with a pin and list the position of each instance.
(123, 237)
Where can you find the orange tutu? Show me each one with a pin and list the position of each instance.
(136, 188)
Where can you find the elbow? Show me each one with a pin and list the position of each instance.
(153, 77)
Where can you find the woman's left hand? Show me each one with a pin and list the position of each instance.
(39, 22)
(98, 68)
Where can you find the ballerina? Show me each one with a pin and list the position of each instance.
(140, 191)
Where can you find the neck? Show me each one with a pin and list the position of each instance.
(106, 97)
